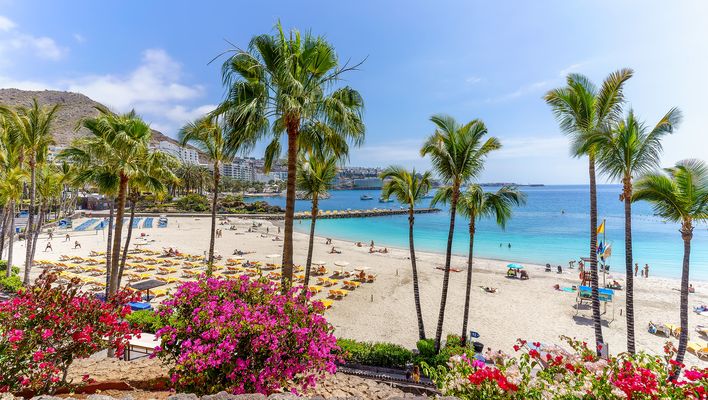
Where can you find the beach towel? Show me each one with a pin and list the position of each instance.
(568, 289)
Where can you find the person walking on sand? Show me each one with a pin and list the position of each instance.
(67, 238)
(636, 269)
(48, 247)
(646, 270)
(51, 235)
(77, 245)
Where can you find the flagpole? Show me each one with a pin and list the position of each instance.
(604, 241)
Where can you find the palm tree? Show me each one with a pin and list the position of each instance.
(214, 141)
(679, 194)
(289, 79)
(315, 176)
(583, 111)
(11, 184)
(32, 127)
(120, 144)
(476, 204)
(627, 150)
(457, 153)
(154, 176)
(49, 187)
(409, 188)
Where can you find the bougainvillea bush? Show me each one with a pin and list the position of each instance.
(550, 372)
(47, 326)
(244, 336)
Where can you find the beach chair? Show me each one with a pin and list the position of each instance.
(351, 285)
(659, 328)
(274, 275)
(699, 348)
(675, 330)
(299, 278)
(314, 289)
(326, 303)
(370, 278)
(702, 329)
(338, 294)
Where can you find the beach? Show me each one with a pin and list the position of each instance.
(384, 310)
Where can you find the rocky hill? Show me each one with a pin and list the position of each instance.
(74, 106)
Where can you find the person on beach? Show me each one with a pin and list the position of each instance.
(372, 244)
(636, 269)
(67, 238)
(509, 245)
(329, 241)
(691, 289)
(51, 235)
(646, 270)
(77, 245)
(48, 247)
(358, 244)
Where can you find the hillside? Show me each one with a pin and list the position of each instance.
(74, 106)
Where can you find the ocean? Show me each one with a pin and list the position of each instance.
(551, 228)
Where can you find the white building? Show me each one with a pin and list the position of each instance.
(184, 154)
(241, 169)
(274, 176)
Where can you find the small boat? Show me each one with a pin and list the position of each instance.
(365, 197)
(382, 200)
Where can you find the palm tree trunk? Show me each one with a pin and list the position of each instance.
(446, 274)
(627, 193)
(37, 230)
(468, 289)
(310, 245)
(414, 267)
(597, 321)
(11, 239)
(686, 235)
(117, 232)
(287, 271)
(3, 230)
(30, 220)
(124, 256)
(210, 262)
(109, 242)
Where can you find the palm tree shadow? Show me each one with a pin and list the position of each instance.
(587, 321)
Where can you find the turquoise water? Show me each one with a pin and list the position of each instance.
(539, 232)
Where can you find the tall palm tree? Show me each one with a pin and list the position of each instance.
(679, 194)
(212, 139)
(315, 176)
(120, 144)
(457, 152)
(625, 151)
(409, 188)
(11, 184)
(582, 111)
(476, 204)
(49, 187)
(32, 126)
(289, 78)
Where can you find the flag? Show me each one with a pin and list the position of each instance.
(601, 228)
(608, 252)
(600, 248)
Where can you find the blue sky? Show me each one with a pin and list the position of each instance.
(471, 59)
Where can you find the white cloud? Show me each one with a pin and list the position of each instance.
(79, 38)
(154, 89)
(471, 80)
(6, 24)
(535, 87)
(14, 40)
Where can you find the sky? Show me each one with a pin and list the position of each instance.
(492, 60)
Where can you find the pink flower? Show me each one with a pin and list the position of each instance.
(47, 333)
(16, 335)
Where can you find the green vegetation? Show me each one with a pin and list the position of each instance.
(11, 283)
(145, 320)
(375, 354)
(192, 202)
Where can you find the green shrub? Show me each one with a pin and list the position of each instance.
(12, 283)
(192, 202)
(376, 354)
(145, 320)
(453, 346)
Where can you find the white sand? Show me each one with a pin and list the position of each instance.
(384, 310)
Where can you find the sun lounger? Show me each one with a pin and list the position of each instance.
(326, 303)
(370, 278)
(699, 348)
(338, 293)
(351, 285)
(314, 289)
(145, 344)
(702, 329)
(674, 329)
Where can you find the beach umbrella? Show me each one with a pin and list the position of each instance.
(273, 255)
(319, 263)
(341, 263)
(362, 269)
(515, 266)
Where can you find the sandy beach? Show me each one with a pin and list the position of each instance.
(384, 310)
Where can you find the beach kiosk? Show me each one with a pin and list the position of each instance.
(605, 296)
